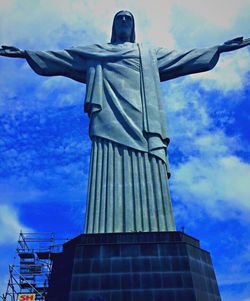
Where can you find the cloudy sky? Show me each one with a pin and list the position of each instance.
(44, 146)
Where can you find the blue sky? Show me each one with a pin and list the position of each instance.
(44, 145)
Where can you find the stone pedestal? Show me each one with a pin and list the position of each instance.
(154, 266)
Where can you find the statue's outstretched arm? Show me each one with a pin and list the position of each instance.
(11, 51)
(234, 44)
(52, 63)
(173, 64)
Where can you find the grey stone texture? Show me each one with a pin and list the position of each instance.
(123, 102)
(128, 191)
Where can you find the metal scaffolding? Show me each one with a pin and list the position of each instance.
(29, 279)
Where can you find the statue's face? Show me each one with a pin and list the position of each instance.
(123, 25)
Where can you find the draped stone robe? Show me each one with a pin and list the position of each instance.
(128, 186)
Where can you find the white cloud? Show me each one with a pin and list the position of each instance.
(229, 75)
(10, 225)
(92, 20)
(219, 13)
(88, 21)
(237, 271)
(19, 190)
(208, 23)
(237, 294)
(219, 185)
(186, 110)
(210, 176)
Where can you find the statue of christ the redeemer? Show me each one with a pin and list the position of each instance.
(128, 180)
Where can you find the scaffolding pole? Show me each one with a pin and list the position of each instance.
(29, 279)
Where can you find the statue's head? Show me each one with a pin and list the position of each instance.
(123, 27)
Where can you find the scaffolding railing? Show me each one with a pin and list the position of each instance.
(29, 279)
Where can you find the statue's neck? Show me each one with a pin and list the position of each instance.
(122, 39)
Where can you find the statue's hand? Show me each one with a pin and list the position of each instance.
(234, 44)
(11, 51)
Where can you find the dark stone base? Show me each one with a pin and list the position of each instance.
(155, 266)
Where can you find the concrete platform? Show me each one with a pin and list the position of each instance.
(154, 266)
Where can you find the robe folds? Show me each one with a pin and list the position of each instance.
(127, 127)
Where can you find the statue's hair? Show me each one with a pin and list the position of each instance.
(113, 35)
